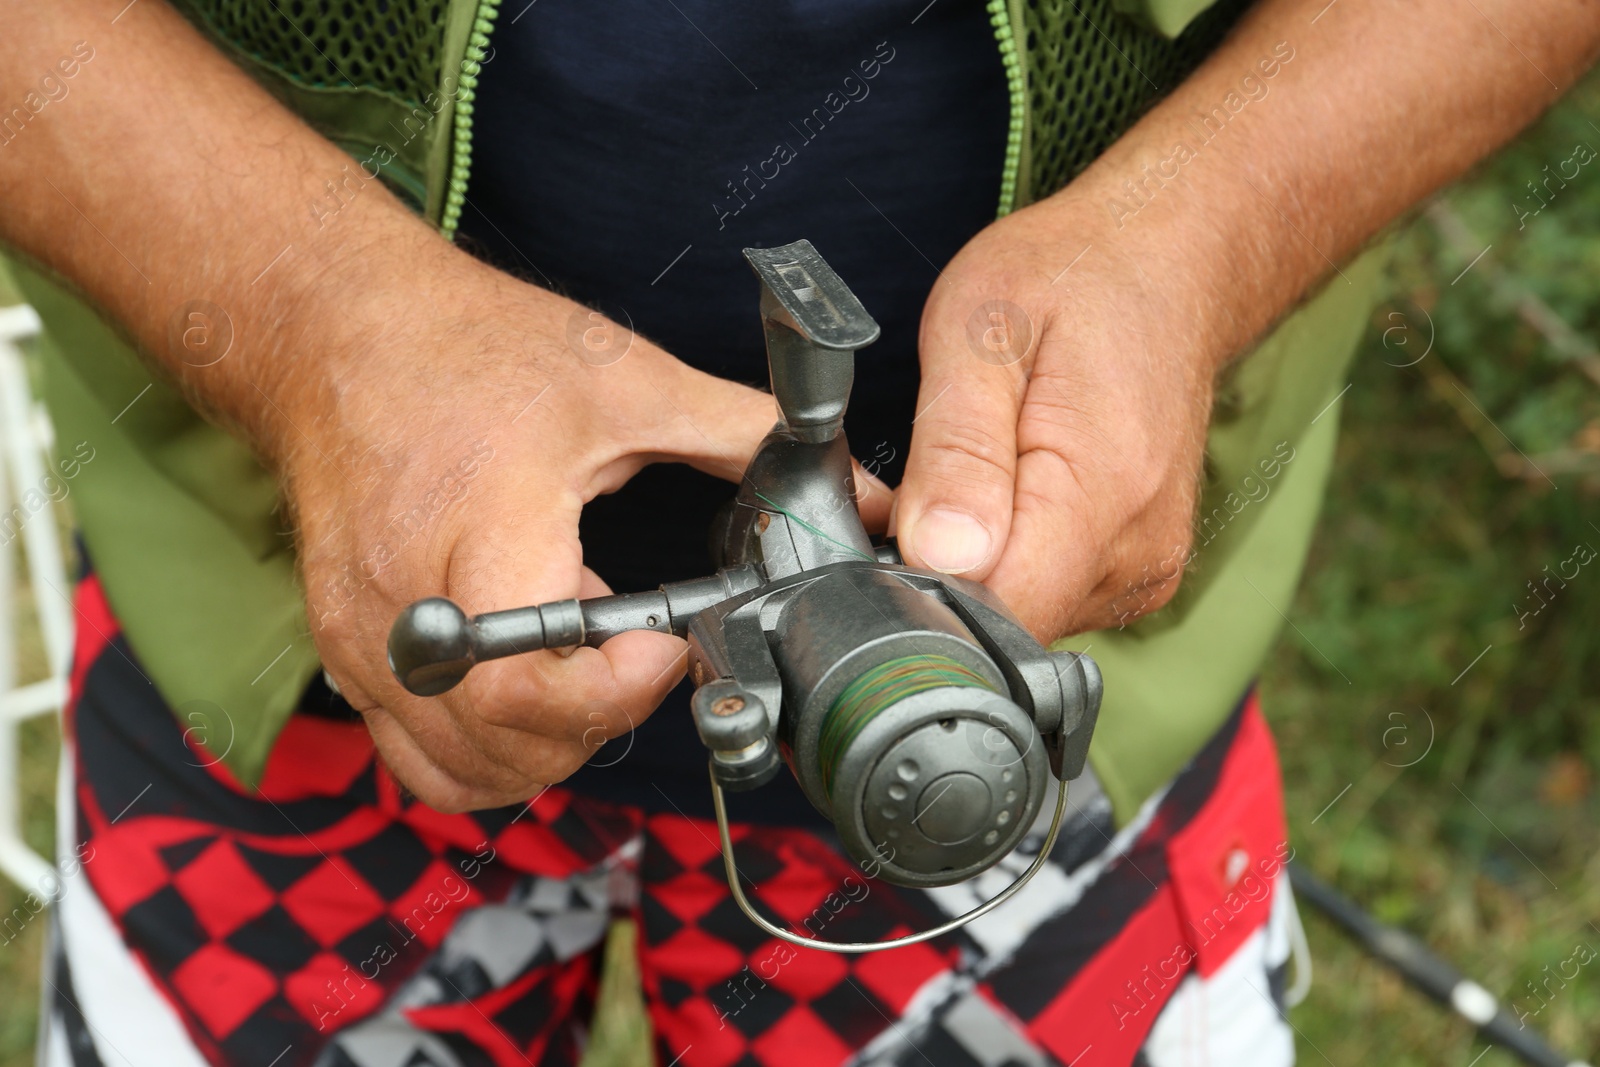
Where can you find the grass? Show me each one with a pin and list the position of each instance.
(1469, 732)
(1449, 784)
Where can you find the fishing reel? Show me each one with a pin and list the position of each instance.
(915, 711)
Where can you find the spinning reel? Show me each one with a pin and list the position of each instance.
(915, 711)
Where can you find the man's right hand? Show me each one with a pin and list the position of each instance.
(448, 453)
(373, 366)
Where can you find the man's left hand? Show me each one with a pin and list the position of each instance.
(1066, 391)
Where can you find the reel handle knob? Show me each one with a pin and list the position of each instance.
(433, 644)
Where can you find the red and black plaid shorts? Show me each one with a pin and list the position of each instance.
(326, 919)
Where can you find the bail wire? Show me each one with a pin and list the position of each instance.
(732, 870)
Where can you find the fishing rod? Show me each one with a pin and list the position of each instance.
(1429, 972)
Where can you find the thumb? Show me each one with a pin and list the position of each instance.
(953, 509)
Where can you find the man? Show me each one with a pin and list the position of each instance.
(1120, 379)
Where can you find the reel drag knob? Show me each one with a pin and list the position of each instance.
(941, 784)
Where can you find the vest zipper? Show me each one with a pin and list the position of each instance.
(461, 129)
(1000, 18)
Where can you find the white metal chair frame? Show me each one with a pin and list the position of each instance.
(26, 438)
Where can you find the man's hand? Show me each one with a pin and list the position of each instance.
(1062, 421)
(1069, 350)
(450, 454)
(436, 423)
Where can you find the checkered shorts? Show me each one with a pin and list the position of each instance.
(329, 920)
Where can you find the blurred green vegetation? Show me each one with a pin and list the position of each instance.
(1469, 733)
(1438, 518)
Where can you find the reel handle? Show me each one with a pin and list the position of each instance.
(433, 643)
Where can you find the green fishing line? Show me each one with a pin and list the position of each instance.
(803, 524)
(875, 690)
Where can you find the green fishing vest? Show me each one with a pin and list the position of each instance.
(182, 522)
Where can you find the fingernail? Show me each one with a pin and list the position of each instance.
(951, 541)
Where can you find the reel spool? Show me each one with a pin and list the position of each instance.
(914, 710)
(904, 734)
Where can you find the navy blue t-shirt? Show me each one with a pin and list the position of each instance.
(625, 155)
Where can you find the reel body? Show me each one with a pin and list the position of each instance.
(905, 717)
(914, 710)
